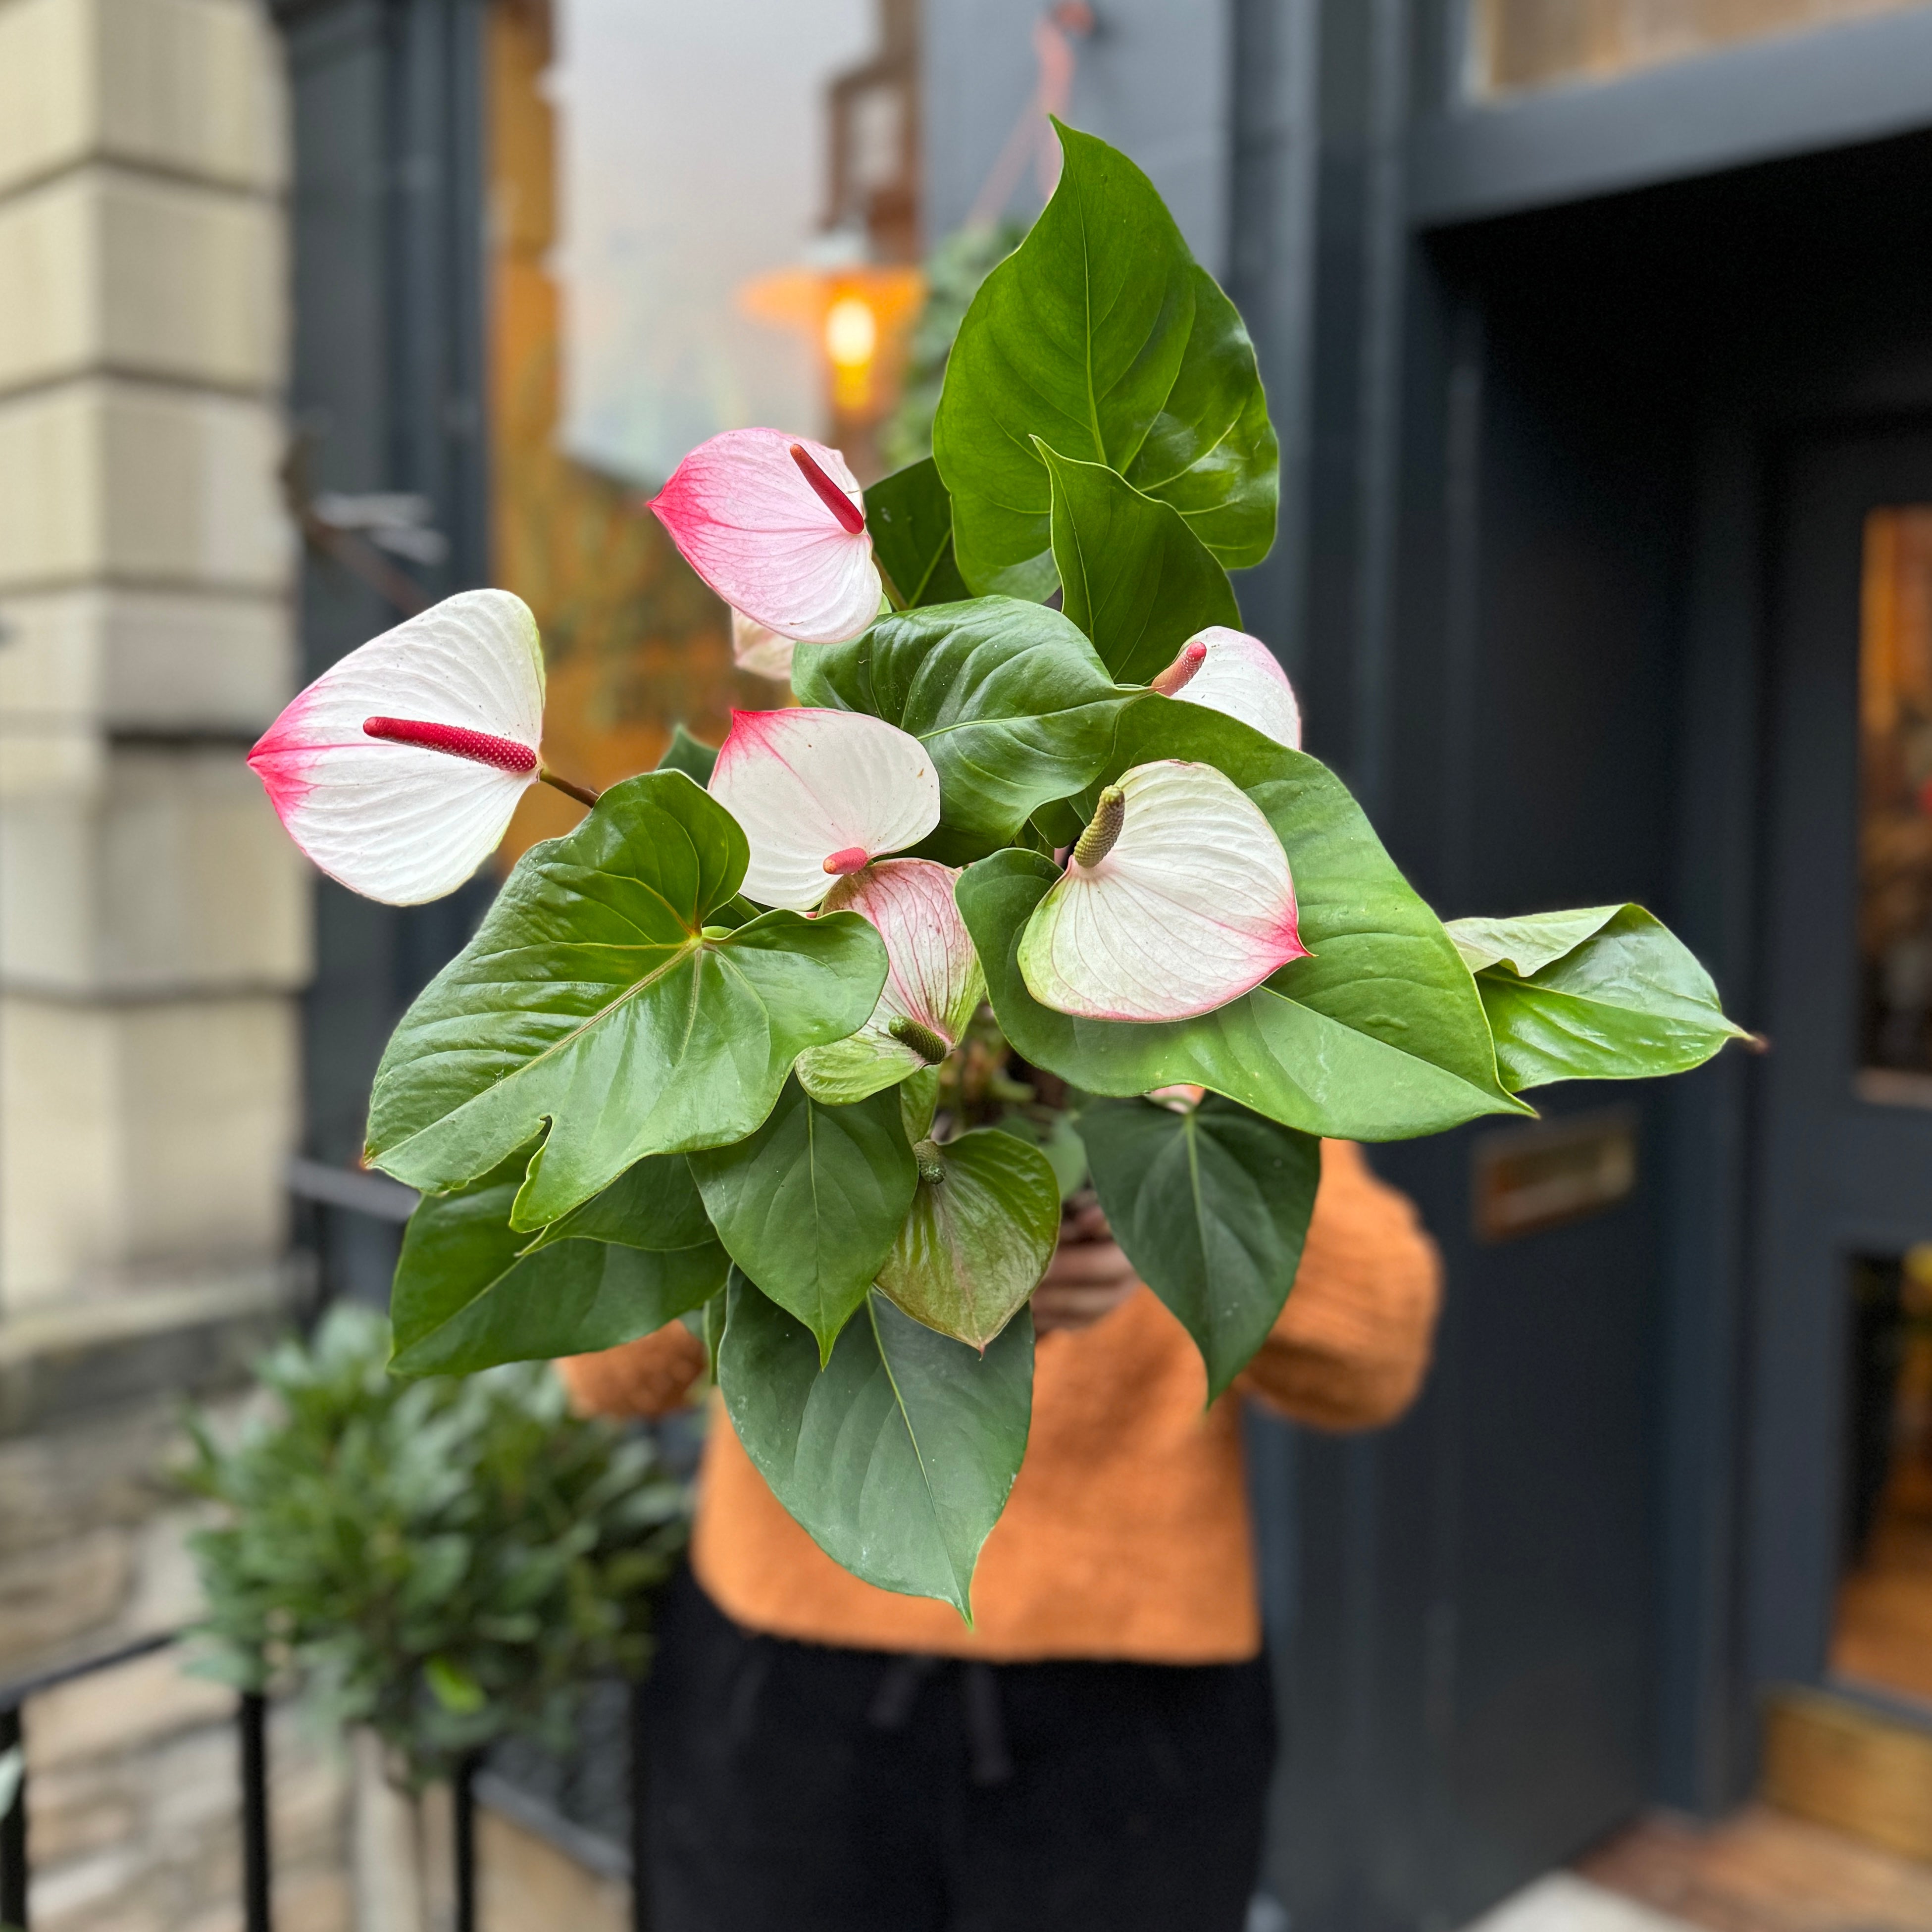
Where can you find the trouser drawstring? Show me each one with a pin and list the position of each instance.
(985, 1725)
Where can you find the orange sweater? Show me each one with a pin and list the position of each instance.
(1127, 1533)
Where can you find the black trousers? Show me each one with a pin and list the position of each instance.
(797, 1788)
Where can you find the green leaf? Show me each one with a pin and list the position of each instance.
(1009, 698)
(1211, 1206)
(919, 1101)
(655, 1204)
(1381, 1036)
(979, 1237)
(810, 1205)
(689, 755)
(1607, 993)
(1100, 335)
(1057, 1138)
(898, 1459)
(1527, 944)
(1212, 452)
(1138, 580)
(910, 517)
(452, 1687)
(593, 998)
(471, 1291)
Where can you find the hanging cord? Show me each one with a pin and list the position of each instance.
(992, 1762)
(1032, 138)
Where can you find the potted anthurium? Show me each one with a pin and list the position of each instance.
(1033, 889)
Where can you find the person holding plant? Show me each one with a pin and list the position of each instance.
(1094, 1749)
(1026, 959)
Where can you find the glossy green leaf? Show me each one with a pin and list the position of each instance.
(1100, 335)
(655, 1204)
(811, 1204)
(1009, 698)
(692, 756)
(1057, 1138)
(1138, 580)
(1212, 452)
(1380, 1036)
(897, 1459)
(1211, 1206)
(910, 517)
(1607, 993)
(471, 1291)
(979, 1237)
(919, 1100)
(597, 998)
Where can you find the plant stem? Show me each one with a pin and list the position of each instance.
(583, 794)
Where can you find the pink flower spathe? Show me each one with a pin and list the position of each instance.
(789, 551)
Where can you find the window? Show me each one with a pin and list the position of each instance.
(1518, 44)
(701, 218)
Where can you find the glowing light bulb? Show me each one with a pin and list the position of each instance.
(851, 332)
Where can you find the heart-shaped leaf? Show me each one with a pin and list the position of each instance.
(1211, 1206)
(692, 756)
(811, 1204)
(981, 1230)
(1138, 580)
(1009, 699)
(471, 1291)
(1379, 1036)
(897, 1459)
(910, 517)
(595, 974)
(655, 1204)
(1606, 993)
(1101, 336)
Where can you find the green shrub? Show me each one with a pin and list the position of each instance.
(446, 1561)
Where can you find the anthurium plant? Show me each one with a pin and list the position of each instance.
(1032, 890)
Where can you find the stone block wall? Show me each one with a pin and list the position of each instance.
(154, 923)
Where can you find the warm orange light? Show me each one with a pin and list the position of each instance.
(851, 332)
(856, 315)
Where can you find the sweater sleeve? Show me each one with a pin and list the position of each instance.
(1352, 1343)
(650, 1376)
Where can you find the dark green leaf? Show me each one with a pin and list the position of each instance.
(594, 998)
(1381, 1036)
(1057, 1138)
(655, 1204)
(1138, 580)
(979, 1237)
(1212, 452)
(1009, 698)
(1607, 993)
(1211, 1207)
(471, 1291)
(898, 1459)
(689, 755)
(910, 517)
(810, 1205)
(1101, 336)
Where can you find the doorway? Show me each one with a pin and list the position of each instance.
(1840, 1589)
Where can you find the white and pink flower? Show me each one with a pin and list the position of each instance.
(1229, 671)
(398, 770)
(820, 794)
(759, 650)
(1176, 899)
(775, 524)
(933, 984)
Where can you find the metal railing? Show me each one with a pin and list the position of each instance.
(251, 1724)
(319, 1188)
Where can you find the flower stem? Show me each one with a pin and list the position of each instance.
(569, 788)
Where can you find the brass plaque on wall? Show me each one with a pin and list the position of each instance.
(1528, 1178)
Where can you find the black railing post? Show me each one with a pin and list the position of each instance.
(640, 1866)
(252, 1720)
(13, 1830)
(462, 1833)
